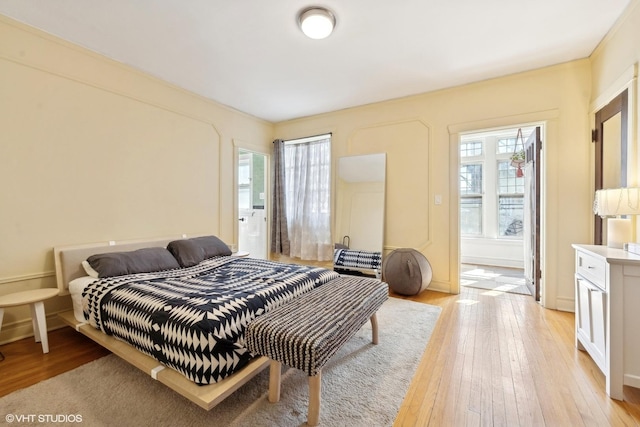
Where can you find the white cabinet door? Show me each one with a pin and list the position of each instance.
(591, 319)
(598, 319)
(583, 309)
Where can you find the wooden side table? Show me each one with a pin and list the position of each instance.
(35, 300)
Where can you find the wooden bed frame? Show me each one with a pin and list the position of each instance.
(68, 261)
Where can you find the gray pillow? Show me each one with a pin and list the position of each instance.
(212, 246)
(187, 252)
(145, 260)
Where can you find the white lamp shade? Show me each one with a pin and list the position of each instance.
(317, 23)
(617, 201)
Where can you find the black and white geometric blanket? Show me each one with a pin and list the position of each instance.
(193, 319)
(357, 259)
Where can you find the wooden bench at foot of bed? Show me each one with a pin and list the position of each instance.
(306, 332)
(206, 396)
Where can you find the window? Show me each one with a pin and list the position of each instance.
(471, 199)
(491, 195)
(510, 201)
(307, 165)
(308, 176)
(506, 146)
(471, 149)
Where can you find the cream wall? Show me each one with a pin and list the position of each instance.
(420, 134)
(92, 150)
(615, 68)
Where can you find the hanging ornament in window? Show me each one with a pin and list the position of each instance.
(517, 158)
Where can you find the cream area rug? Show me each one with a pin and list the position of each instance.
(362, 385)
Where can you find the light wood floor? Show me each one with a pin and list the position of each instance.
(494, 359)
(500, 359)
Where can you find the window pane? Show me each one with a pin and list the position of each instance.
(471, 216)
(471, 179)
(508, 182)
(243, 198)
(507, 145)
(470, 149)
(244, 170)
(308, 173)
(511, 210)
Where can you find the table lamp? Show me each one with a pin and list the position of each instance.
(612, 204)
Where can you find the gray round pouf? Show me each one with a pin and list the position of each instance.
(407, 271)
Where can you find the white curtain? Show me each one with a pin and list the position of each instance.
(308, 180)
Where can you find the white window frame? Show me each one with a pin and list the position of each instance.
(490, 159)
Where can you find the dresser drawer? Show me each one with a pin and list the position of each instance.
(592, 268)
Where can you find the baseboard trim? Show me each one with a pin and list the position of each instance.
(440, 286)
(566, 304)
(494, 262)
(22, 329)
(632, 380)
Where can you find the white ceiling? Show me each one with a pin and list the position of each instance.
(250, 54)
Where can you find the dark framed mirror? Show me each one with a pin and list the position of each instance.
(610, 138)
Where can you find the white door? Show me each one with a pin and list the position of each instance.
(252, 203)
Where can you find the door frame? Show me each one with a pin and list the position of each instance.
(549, 120)
(245, 146)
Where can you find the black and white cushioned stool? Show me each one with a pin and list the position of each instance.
(307, 331)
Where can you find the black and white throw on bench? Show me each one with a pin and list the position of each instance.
(357, 259)
(307, 331)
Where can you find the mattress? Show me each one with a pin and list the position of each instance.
(76, 288)
(193, 319)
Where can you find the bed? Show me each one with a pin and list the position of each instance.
(183, 325)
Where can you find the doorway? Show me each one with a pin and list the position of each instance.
(495, 228)
(252, 203)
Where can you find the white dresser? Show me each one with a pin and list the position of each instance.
(607, 298)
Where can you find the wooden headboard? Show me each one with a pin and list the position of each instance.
(68, 259)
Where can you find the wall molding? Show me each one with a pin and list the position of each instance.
(25, 277)
(503, 122)
(625, 81)
(112, 63)
(421, 244)
(616, 27)
(22, 329)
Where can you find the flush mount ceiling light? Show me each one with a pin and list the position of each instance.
(316, 22)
